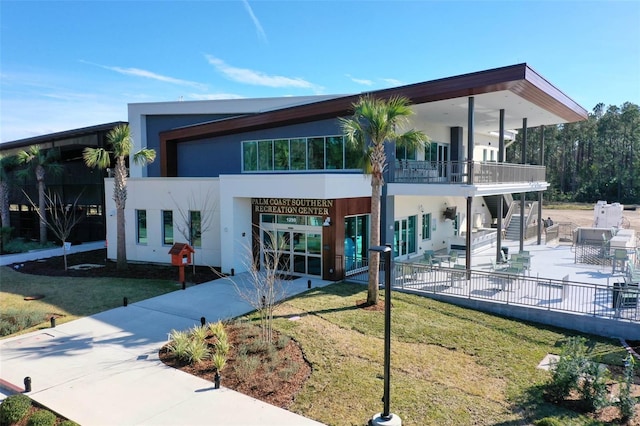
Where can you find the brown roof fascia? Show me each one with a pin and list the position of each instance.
(520, 79)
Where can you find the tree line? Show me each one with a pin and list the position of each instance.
(591, 160)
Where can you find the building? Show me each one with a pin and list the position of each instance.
(230, 173)
(76, 182)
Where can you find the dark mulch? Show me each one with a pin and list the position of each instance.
(54, 267)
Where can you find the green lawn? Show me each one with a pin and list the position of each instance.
(450, 366)
(73, 298)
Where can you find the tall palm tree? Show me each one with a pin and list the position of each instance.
(121, 144)
(7, 164)
(40, 162)
(374, 123)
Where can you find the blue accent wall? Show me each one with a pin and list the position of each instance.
(159, 123)
(223, 155)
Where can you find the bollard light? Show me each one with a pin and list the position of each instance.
(27, 384)
(203, 321)
(233, 272)
(125, 301)
(308, 283)
(184, 285)
(53, 322)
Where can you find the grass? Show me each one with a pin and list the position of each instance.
(558, 205)
(450, 366)
(73, 298)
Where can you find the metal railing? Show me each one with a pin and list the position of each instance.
(597, 300)
(455, 172)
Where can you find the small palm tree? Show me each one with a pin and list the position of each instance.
(121, 144)
(374, 123)
(40, 162)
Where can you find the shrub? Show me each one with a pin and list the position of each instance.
(14, 408)
(282, 341)
(222, 346)
(42, 418)
(68, 423)
(14, 320)
(217, 329)
(179, 345)
(593, 386)
(626, 401)
(548, 421)
(567, 371)
(246, 367)
(197, 351)
(289, 370)
(198, 333)
(219, 361)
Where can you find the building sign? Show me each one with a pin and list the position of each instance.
(293, 206)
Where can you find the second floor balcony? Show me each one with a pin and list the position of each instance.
(457, 172)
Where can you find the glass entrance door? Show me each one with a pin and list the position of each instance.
(404, 237)
(295, 251)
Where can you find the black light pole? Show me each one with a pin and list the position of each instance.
(386, 417)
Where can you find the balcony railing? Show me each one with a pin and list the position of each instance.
(455, 172)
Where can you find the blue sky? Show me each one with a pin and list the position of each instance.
(70, 64)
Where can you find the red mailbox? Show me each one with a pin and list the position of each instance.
(181, 256)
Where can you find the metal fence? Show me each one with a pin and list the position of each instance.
(612, 301)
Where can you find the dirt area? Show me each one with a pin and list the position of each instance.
(586, 217)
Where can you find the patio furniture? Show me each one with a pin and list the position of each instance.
(431, 260)
(459, 273)
(453, 257)
(619, 256)
(495, 267)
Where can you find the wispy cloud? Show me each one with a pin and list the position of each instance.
(257, 78)
(259, 29)
(214, 96)
(392, 81)
(359, 80)
(137, 72)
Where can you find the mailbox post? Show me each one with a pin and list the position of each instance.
(181, 257)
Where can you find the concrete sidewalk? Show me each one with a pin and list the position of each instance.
(104, 369)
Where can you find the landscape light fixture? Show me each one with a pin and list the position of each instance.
(386, 418)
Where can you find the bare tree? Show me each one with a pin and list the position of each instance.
(265, 288)
(62, 217)
(206, 206)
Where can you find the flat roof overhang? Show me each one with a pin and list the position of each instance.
(517, 89)
(462, 190)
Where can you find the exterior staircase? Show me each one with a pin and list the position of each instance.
(513, 231)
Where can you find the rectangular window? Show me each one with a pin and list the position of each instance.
(195, 229)
(250, 156)
(426, 226)
(335, 153)
(167, 227)
(315, 153)
(281, 154)
(265, 155)
(141, 232)
(298, 154)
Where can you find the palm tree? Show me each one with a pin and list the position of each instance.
(374, 122)
(40, 162)
(7, 163)
(121, 143)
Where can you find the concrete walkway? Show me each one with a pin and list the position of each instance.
(104, 369)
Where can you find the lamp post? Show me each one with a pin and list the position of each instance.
(386, 418)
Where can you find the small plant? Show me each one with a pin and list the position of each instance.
(222, 346)
(179, 345)
(566, 372)
(68, 423)
(282, 341)
(548, 421)
(217, 329)
(218, 361)
(626, 401)
(42, 418)
(593, 386)
(197, 351)
(246, 367)
(14, 408)
(198, 333)
(14, 320)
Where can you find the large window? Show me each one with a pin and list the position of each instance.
(426, 226)
(141, 231)
(314, 153)
(167, 227)
(195, 228)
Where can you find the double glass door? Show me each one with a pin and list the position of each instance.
(404, 237)
(296, 251)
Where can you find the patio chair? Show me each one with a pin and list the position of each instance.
(453, 257)
(495, 267)
(458, 274)
(619, 256)
(431, 261)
